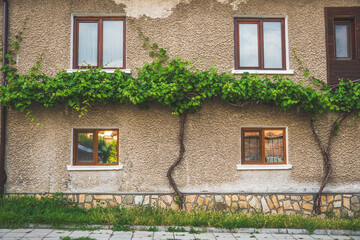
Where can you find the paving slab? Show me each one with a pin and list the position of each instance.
(244, 236)
(264, 236)
(322, 237)
(282, 236)
(16, 234)
(224, 236)
(337, 237)
(143, 235)
(208, 236)
(163, 235)
(101, 234)
(38, 233)
(121, 236)
(184, 236)
(77, 234)
(58, 234)
(302, 236)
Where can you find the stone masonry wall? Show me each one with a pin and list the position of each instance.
(301, 204)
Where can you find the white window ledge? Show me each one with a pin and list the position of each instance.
(94, 168)
(277, 72)
(103, 70)
(264, 167)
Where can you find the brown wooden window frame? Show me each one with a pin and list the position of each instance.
(262, 146)
(95, 147)
(261, 60)
(99, 21)
(349, 67)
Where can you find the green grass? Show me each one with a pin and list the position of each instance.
(176, 229)
(20, 211)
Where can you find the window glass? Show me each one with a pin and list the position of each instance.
(274, 146)
(341, 39)
(248, 43)
(252, 147)
(272, 45)
(85, 147)
(107, 146)
(113, 43)
(87, 44)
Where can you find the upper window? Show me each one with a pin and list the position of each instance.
(99, 42)
(343, 43)
(263, 146)
(260, 43)
(96, 147)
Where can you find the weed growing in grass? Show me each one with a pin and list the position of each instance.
(153, 229)
(176, 229)
(124, 228)
(193, 231)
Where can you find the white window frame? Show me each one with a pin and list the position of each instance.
(72, 167)
(287, 71)
(73, 15)
(287, 166)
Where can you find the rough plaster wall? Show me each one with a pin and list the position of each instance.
(37, 157)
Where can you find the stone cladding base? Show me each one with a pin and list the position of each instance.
(301, 204)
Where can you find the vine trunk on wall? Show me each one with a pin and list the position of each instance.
(179, 194)
(326, 153)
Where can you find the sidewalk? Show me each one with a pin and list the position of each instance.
(51, 234)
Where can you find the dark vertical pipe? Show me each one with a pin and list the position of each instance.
(3, 110)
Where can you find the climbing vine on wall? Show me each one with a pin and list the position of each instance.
(179, 85)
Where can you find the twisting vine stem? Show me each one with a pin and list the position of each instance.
(326, 152)
(182, 149)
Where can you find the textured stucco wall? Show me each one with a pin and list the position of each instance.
(37, 156)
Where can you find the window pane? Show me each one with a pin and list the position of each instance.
(272, 45)
(274, 146)
(87, 44)
(107, 146)
(248, 40)
(252, 147)
(85, 147)
(341, 33)
(113, 43)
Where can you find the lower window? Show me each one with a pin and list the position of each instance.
(96, 147)
(263, 146)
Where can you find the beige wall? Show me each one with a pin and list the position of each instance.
(37, 156)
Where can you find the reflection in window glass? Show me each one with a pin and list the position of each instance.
(252, 146)
(341, 34)
(87, 44)
(107, 146)
(113, 43)
(248, 40)
(85, 147)
(274, 146)
(272, 45)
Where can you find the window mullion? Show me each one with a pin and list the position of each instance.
(261, 44)
(100, 42)
(96, 147)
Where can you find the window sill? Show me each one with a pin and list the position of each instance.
(264, 167)
(277, 72)
(94, 168)
(103, 70)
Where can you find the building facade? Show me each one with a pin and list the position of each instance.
(253, 158)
